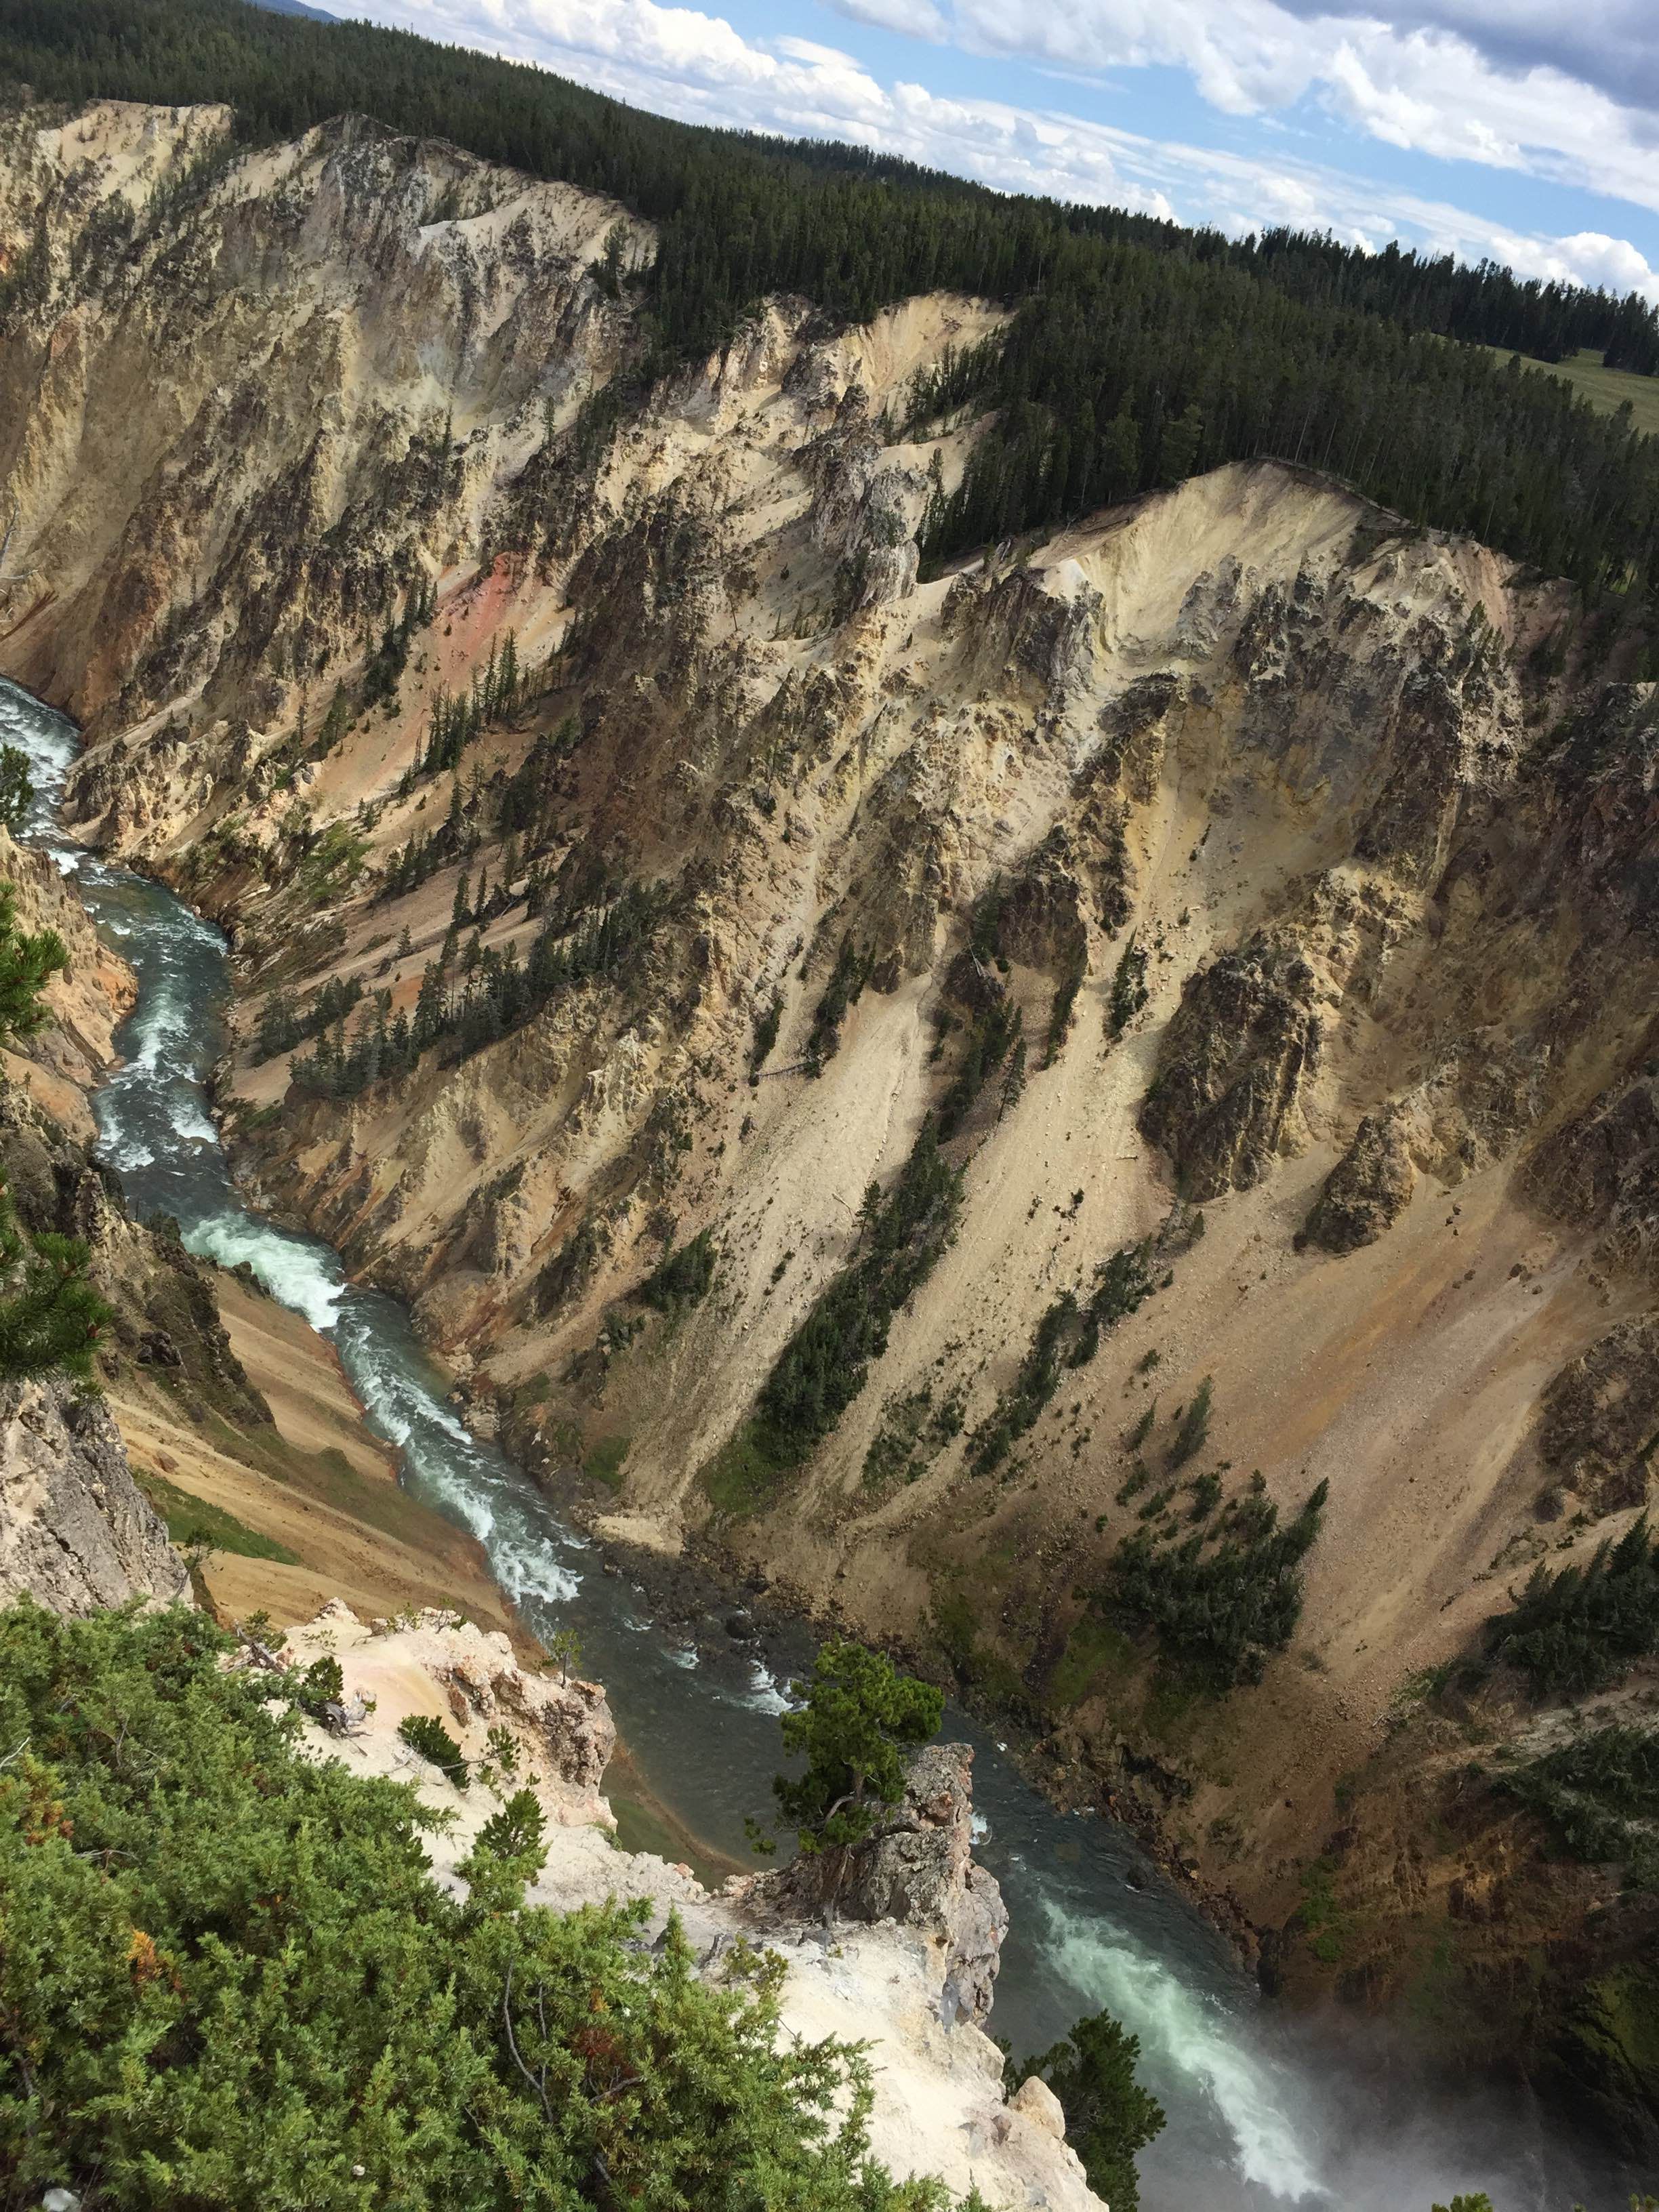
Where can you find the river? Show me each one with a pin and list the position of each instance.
(1263, 2112)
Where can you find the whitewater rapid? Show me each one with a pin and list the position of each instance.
(1261, 2116)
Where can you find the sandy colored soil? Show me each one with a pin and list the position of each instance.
(316, 1481)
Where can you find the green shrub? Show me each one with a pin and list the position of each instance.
(845, 986)
(823, 1367)
(1063, 1006)
(1194, 1429)
(229, 1981)
(1068, 1335)
(603, 1463)
(681, 1281)
(766, 1025)
(1129, 992)
(436, 1745)
(992, 1035)
(1599, 1794)
(1109, 2115)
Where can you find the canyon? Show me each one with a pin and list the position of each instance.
(1241, 880)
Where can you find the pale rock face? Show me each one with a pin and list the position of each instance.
(75, 1532)
(467, 1677)
(1038, 2102)
(1383, 833)
(921, 1872)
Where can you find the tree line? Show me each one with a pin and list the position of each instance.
(1142, 351)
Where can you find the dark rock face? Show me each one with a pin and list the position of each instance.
(1604, 1167)
(921, 1872)
(1368, 1189)
(1602, 1416)
(1225, 1099)
(75, 1532)
(1041, 916)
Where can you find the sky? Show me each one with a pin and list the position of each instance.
(1524, 130)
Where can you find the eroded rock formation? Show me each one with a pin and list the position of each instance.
(75, 1532)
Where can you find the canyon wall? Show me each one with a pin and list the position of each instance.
(1255, 889)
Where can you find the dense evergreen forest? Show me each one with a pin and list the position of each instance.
(1141, 352)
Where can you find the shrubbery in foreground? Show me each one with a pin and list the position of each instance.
(226, 1980)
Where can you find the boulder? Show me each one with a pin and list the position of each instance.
(1368, 1189)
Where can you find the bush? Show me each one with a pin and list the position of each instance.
(1189, 1438)
(1579, 1630)
(436, 1745)
(1068, 1335)
(823, 1367)
(766, 1025)
(853, 1723)
(1599, 1796)
(845, 986)
(229, 1981)
(991, 1037)
(1129, 992)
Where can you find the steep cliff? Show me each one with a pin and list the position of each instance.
(886, 1976)
(75, 1531)
(672, 844)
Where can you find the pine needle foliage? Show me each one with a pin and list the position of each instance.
(1110, 2117)
(1579, 1630)
(854, 1721)
(1219, 1601)
(229, 1981)
(16, 790)
(1068, 1335)
(1141, 352)
(51, 1319)
(433, 1741)
(823, 1367)
(681, 1281)
(1599, 1795)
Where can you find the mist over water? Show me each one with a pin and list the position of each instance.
(1263, 2113)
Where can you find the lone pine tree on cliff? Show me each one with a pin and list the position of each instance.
(857, 1718)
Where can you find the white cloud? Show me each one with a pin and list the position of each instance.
(920, 19)
(680, 61)
(1427, 89)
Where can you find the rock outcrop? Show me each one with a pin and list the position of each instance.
(1226, 1098)
(920, 1871)
(1600, 1418)
(1370, 1187)
(347, 426)
(76, 1533)
(469, 1678)
(897, 1979)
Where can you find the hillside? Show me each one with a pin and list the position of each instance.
(1244, 891)
(1606, 389)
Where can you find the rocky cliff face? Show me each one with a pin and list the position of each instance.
(920, 1869)
(75, 1532)
(684, 844)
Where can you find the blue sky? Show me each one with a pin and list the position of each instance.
(1525, 129)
